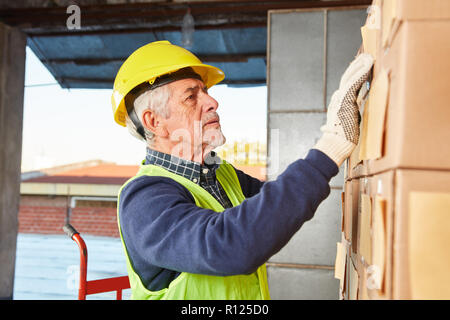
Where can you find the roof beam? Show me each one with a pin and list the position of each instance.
(110, 81)
(204, 58)
(215, 25)
(154, 15)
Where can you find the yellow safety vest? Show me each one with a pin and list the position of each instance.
(197, 286)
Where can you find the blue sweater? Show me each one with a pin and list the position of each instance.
(165, 233)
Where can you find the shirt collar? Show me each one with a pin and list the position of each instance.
(194, 171)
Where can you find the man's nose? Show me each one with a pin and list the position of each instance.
(209, 103)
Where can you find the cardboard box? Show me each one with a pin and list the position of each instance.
(405, 256)
(358, 226)
(407, 121)
(386, 16)
(405, 116)
(431, 225)
(395, 12)
(397, 190)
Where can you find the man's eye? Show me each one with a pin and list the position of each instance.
(190, 97)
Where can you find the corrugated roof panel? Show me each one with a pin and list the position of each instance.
(92, 61)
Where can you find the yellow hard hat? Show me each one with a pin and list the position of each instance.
(151, 61)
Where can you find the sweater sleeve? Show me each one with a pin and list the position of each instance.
(163, 227)
(250, 185)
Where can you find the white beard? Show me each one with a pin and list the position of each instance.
(214, 138)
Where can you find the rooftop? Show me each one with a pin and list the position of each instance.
(47, 266)
(88, 172)
(94, 178)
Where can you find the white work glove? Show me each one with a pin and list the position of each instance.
(341, 131)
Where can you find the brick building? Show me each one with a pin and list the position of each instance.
(84, 194)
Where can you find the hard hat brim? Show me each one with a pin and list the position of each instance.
(210, 76)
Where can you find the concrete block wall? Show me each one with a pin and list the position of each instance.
(308, 51)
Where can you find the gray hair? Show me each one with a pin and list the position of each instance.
(154, 100)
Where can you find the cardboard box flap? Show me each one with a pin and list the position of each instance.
(364, 242)
(394, 12)
(379, 242)
(421, 10)
(374, 118)
(339, 266)
(369, 36)
(354, 282)
(370, 30)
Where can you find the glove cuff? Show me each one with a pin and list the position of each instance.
(335, 147)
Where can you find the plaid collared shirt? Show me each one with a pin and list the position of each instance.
(203, 175)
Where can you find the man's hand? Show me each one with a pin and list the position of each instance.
(341, 131)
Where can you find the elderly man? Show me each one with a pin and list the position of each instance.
(193, 226)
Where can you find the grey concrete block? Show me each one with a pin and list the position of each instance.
(315, 242)
(296, 60)
(302, 284)
(338, 180)
(291, 136)
(296, 84)
(343, 42)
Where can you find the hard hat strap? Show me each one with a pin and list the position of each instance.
(129, 104)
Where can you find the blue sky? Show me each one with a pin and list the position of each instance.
(64, 126)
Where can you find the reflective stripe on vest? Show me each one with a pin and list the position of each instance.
(196, 286)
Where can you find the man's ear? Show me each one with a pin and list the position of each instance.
(153, 123)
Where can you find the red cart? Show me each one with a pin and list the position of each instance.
(94, 286)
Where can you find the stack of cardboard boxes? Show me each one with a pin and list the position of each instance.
(396, 200)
